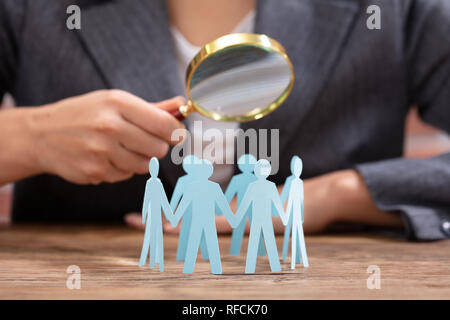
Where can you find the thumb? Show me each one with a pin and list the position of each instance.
(171, 104)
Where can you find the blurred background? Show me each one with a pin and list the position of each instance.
(421, 141)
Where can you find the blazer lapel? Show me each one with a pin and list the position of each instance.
(313, 33)
(131, 45)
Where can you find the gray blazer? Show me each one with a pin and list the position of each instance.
(353, 89)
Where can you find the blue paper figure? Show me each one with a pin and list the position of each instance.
(295, 209)
(284, 196)
(190, 165)
(261, 194)
(203, 195)
(238, 185)
(155, 199)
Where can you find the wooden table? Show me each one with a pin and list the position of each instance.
(34, 259)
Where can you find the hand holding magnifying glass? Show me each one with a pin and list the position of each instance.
(238, 77)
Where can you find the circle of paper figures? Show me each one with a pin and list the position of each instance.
(196, 201)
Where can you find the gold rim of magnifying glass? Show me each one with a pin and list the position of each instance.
(229, 41)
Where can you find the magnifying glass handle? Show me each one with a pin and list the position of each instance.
(178, 115)
(183, 111)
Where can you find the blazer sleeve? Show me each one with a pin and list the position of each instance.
(420, 188)
(11, 22)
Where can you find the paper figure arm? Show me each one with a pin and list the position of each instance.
(146, 204)
(168, 212)
(184, 204)
(285, 191)
(229, 194)
(273, 210)
(231, 189)
(176, 196)
(245, 203)
(289, 207)
(278, 206)
(302, 201)
(218, 211)
(224, 206)
(303, 219)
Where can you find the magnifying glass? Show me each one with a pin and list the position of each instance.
(238, 77)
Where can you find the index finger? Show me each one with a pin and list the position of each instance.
(149, 117)
(171, 104)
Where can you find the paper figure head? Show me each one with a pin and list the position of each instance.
(153, 167)
(296, 166)
(189, 163)
(262, 169)
(206, 169)
(246, 163)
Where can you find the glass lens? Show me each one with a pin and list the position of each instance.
(240, 80)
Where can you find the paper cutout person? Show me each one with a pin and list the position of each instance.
(261, 194)
(190, 164)
(237, 186)
(295, 209)
(284, 196)
(204, 195)
(155, 199)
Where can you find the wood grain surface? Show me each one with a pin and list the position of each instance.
(34, 259)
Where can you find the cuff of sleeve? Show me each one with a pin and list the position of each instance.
(392, 189)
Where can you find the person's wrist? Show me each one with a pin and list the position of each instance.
(33, 127)
(322, 198)
(344, 192)
(354, 203)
